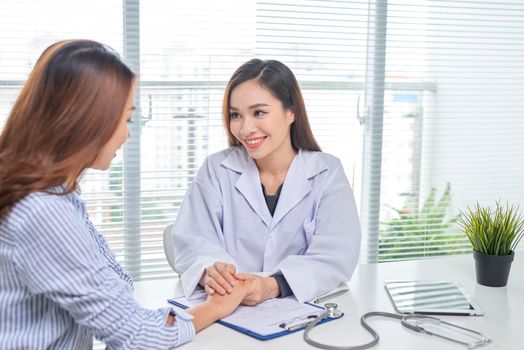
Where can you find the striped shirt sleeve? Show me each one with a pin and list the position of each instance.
(56, 257)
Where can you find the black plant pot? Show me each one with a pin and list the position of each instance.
(492, 270)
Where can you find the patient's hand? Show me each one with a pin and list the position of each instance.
(219, 277)
(218, 306)
(262, 288)
(227, 303)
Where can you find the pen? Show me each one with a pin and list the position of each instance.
(299, 325)
(329, 296)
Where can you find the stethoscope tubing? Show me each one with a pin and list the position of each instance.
(404, 320)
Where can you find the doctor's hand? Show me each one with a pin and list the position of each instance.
(219, 277)
(262, 288)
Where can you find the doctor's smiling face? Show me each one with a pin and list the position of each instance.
(259, 121)
(264, 112)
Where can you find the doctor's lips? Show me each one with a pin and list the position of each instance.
(254, 142)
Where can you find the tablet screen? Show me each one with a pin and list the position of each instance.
(431, 297)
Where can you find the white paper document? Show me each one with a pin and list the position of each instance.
(265, 318)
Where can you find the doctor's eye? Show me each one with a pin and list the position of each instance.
(259, 113)
(234, 115)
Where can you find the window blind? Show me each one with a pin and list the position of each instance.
(420, 101)
(187, 57)
(451, 122)
(184, 53)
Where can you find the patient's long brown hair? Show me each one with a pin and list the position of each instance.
(67, 110)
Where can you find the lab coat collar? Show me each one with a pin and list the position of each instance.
(311, 163)
(304, 166)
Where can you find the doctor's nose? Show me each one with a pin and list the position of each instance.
(248, 127)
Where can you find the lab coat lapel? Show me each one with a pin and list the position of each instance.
(249, 183)
(296, 187)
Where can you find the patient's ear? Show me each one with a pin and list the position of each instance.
(290, 115)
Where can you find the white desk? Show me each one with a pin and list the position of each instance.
(503, 307)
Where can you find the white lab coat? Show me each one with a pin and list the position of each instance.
(313, 239)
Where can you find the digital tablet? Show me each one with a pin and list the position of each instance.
(431, 297)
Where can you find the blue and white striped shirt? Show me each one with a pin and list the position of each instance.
(60, 284)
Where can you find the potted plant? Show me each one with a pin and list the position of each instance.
(494, 235)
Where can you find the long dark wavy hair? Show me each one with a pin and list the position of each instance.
(280, 81)
(66, 112)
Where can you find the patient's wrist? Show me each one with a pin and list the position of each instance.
(170, 319)
(212, 308)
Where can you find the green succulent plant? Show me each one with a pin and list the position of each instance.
(493, 231)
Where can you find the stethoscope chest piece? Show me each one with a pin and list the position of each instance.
(333, 311)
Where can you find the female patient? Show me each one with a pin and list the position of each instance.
(270, 203)
(60, 284)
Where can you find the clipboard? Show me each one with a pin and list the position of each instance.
(281, 323)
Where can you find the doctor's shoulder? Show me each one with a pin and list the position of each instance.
(327, 166)
(322, 159)
(216, 161)
(217, 165)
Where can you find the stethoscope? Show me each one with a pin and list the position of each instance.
(415, 322)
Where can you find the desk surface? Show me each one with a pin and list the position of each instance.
(503, 320)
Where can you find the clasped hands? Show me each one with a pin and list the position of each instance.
(221, 278)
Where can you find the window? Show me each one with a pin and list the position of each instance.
(421, 102)
(449, 132)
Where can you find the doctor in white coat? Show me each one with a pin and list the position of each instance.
(271, 203)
